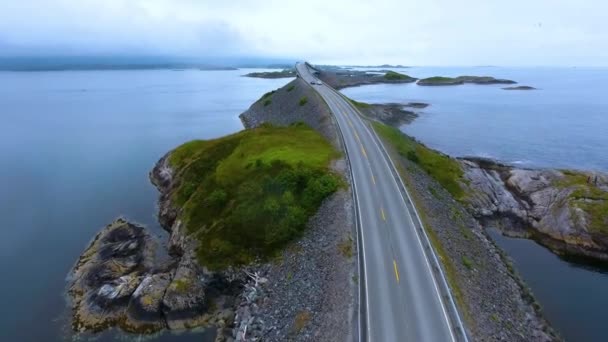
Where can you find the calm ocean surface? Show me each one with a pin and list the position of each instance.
(75, 152)
(563, 125)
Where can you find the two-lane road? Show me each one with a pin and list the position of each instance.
(402, 298)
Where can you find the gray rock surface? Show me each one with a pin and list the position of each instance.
(535, 203)
(393, 114)
(284, 109)
(339, 78)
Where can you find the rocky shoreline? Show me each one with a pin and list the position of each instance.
(339, 78)
(118, 281)
(285, 73)
(446, 81)
(541, 204)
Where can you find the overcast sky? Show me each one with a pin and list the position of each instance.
(411, 32)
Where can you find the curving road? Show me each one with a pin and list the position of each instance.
(401, 300)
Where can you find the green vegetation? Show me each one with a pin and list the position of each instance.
(395, 76)
(266, 98)
(268, 94)
(589, 198)
(273, 74)
(360, 105)
(248, 194)
(438, 80)
(303, 101)
(301, 320)
(467, 262)
(442, 168)
(291, 87)
(346, 248)
(182, 285)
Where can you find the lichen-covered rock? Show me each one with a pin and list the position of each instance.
(548, 205)
(144, 311)
(107, 273)
(184, 304)
(118, 282)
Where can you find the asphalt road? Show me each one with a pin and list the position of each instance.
(402, 298)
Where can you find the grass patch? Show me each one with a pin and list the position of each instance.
(248, 194)
(467, 262)
(267, 102)
(395, 76)
(268, 94)
(182, 285)
(588, 197)
(302, 318)
(442, 168)
(360, 105)
(303, 101)
(291, 87)
(440, 79)
(434, 192)
(346, 248)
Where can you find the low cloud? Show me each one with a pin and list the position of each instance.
(441, 32)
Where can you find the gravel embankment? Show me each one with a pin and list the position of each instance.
(308, 292)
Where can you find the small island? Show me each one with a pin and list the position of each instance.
(285, 73)
(445, 81)
(519, 88)
(340, 78)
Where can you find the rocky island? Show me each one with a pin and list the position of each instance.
(520, 88)
(339, 78)
(445, 81)
(285, 73)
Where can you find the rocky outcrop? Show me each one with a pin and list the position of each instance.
(445, 81)
(339, 78)
(119, 281)
(285, 73)
(519, 88)
(546, 205)
(393, 114)
(109, 277)
(283, 107)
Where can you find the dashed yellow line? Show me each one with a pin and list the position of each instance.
(396, 271)
(373, 179)
(363, 150)
(350, 123)
(382, 213)
(357, 136)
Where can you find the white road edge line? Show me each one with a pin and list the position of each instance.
(352, 176)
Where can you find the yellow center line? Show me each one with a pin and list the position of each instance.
(373, 179)
(357, 137)
(396, 271)
(363, 150)
(350, 123)
(382, 212)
